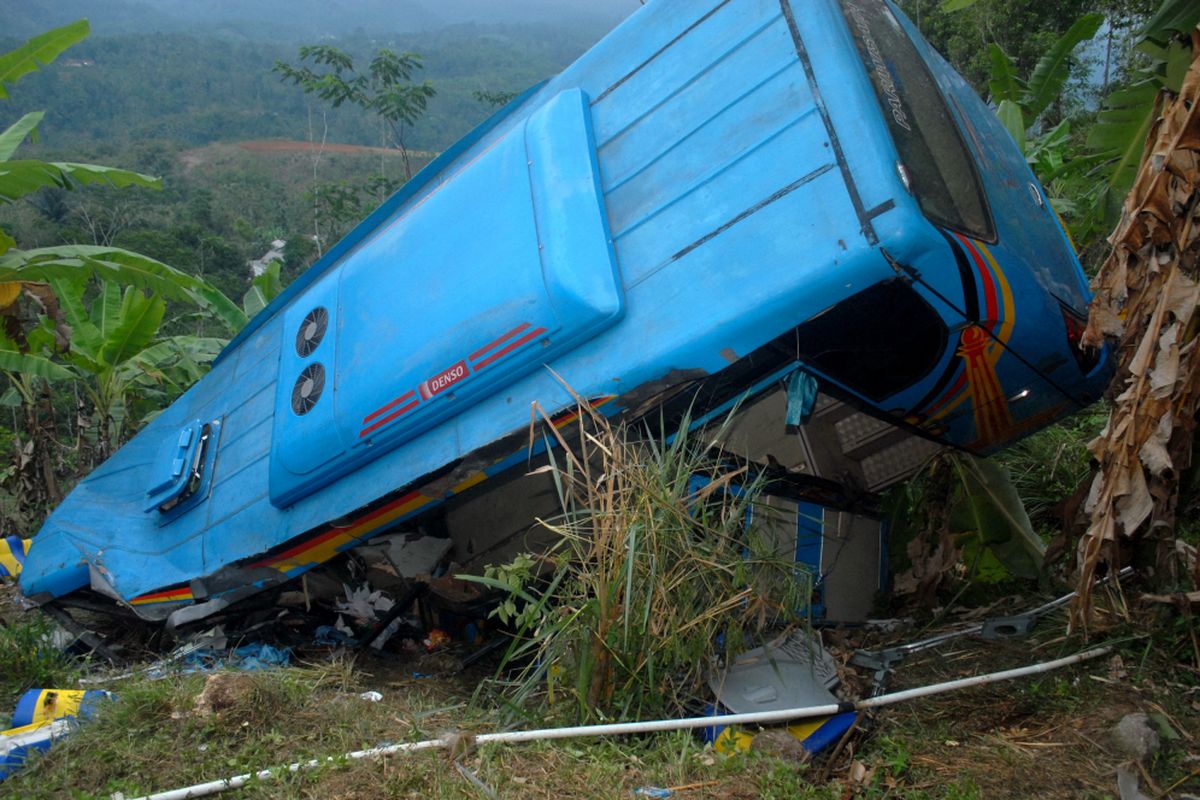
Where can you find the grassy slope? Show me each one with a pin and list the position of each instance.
(1041, 737)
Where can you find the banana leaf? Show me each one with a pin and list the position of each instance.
(25, 127)
(990, 515)
(21, 178)
(39, 51)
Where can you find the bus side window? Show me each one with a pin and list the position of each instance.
(877, 342)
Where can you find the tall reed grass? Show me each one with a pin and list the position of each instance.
(661, 572)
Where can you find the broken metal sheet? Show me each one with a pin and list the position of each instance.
(790, 672)
(407, 557)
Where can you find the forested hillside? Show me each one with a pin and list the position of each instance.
(287, 20)
(194, 89)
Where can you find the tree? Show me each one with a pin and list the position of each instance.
(1147, 306)
(385, 89)
(114, 353)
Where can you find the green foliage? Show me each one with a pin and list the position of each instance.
(622, 618)
(11, 360)
(493, 99)
(265, 288)
(39, 51)
(961, 516)
(19, 131)
(1046, 82)
(1020, 102)
(1023, 29)
(1005, 85)
(21, 178)
(121, 360)
(30, 659)
(75, 262)
(386, 89)
(1115, 143)
(989, 516)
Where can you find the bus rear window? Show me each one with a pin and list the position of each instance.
(943, 175)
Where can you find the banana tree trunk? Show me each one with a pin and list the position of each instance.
(1145, 307)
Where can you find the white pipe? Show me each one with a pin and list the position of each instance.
(611, 729)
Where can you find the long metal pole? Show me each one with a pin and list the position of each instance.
(618, 728)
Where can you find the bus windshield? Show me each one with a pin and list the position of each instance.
(944, 179)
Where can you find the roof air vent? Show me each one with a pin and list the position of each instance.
(308, 388)
(311, 331)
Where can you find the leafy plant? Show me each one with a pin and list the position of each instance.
(1117, 139)
(656, 575)
(385, 89)
(1020, 102)
(263, 289)
(120, 360)
(962, 516)
(30, 658)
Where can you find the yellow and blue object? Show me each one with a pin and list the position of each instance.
(12, 555)
(814, 735)
(41, 717)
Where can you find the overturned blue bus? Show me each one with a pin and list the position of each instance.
(716, 195)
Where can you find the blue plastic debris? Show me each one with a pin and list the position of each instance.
(802, 391)
(248, 657)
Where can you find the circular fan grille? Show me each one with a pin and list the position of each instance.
(308, 388)
(312, 331)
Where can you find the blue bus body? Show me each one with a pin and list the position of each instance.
(716, 194)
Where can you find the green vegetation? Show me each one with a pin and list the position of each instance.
(31, 659)
(99, 336)
(654, 578)
(193, 90)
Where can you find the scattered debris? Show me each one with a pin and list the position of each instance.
(42, 717)
(1129, 785)
(475, 781)
(247, 658)
(791, 672)
(371, 697)
(883, 661)
(12, 555)
(258, 266)
(452, 742)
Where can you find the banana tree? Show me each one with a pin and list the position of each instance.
(20, 178)
(1166, 46)
(1020, 103)
(120, 360)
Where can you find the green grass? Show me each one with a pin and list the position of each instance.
(28, 660)
(958, 746)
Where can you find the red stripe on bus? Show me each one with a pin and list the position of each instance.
(397, 413)
(388, 407)
(499, 341)
(524, 340)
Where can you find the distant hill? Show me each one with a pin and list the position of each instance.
(294, 20)
(123, 89)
